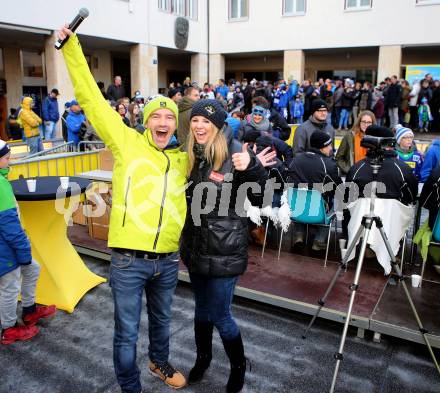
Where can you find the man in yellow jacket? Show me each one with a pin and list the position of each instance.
(31, 123)
(148, 213)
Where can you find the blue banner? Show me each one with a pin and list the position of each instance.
(415, 73)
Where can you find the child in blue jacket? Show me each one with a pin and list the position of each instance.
(18, 272)
(297, 110)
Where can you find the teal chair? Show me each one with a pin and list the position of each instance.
(308, 207)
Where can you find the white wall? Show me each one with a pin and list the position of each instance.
(325, 25)
(108, 18)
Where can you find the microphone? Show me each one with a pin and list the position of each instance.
(82, 14)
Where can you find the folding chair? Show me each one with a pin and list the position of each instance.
(308, 207)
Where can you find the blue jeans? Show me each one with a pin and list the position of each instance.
(343, 120)
(35, 144)
(129, 278)
(213, 297)
(49, 130)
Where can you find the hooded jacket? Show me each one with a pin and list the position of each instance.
(74, 121)
(217, 245)
(29, 119)
(15, 248)
(50, 109)
(149, 205)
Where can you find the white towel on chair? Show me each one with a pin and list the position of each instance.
(396, 218)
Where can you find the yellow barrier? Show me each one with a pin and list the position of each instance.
(65, 164)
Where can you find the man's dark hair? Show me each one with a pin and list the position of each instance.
(260, 101)
(222, 80)
(100, 85)
(12, 111)
(387, 79)
(55, 91)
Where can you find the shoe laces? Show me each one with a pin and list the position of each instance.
(166, 369)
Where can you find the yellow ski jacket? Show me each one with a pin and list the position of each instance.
(149, 205)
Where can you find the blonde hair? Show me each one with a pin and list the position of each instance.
(357, 124)
(216, 149)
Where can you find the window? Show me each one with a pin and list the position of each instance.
(32, 64)
(294, 7)
(238, 9)
(164, 5)
(358, 4)
(192, 10)
(187, 8)
(178, 7)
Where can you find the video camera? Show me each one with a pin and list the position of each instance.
(376, 143)
(376, 147)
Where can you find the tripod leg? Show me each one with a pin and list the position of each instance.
(342, 265)
(353, 288)
(422, 330)
(265, 237)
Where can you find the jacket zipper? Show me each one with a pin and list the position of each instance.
(163, 201)
(125, 203)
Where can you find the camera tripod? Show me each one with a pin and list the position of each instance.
(364, 231)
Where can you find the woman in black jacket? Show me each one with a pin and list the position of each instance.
(214, 238)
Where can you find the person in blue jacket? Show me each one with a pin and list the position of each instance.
(74, 121)
(297, 110)
(51, 114)
(18, 272)
(281, 100)
(432, 160)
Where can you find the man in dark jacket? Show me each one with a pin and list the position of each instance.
(316, 122)
(316, 169)
(395, 175)
(191, 96)
(393, 100)
(13, 129)
(51, 115)
(116, 91)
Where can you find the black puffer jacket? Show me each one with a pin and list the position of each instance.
(215, 244)
(396, 175)
(317, 171)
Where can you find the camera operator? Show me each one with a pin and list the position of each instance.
(395, 175)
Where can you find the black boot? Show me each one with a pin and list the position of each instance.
(235, 351)
(203, 335)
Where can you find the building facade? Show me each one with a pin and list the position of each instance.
(364, 39)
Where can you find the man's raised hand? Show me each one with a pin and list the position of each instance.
(267, 157)
(64, 32)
